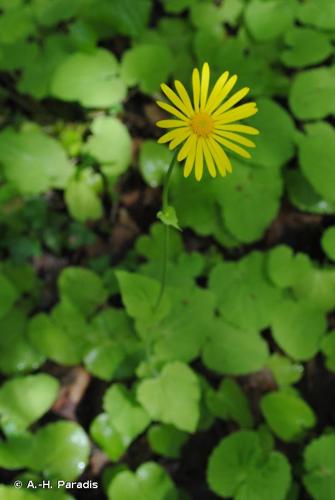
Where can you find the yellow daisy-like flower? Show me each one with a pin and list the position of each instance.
(207, 125)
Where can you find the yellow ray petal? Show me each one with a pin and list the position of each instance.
(238, 127)
(175, 99)
(204, 86)
(180, 138)
(199, 159)
(223, 93)
(233, 147)
(216, 90)
(184, 96)
(173, 134)
(190, 160)
(187, 147)
(232, 101)
(172, 110)
(236, 114)
(236, 138)
(196, 88)
(209, 159)
(221, 159)
(171, 123)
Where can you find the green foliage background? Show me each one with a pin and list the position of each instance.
(227, 390)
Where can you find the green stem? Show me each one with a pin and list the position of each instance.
(165, 204)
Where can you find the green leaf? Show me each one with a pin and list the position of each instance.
(275, 143)
(114, 349)
(150, 482)
(230, 403)
(8, 295)
(284, 371)
(15, 451)
(317, 288)
(107, 437)
(312, 94)
(110, 143)
(16, 24)
(319, 460)
(183, 331)
(17, 355)
(328, 242)
(166, 440)
(298, 327)
(245, 297)
(140, 294)
(49, 14)
(10, 493)
(150, 246)
(82, 287)
(169, 217)
(172, 397)
(232, 350)
(319, 13)
(239, 468)
(318, 148)
(268, 19)
(328, 349)
(127, 417)
(25, 399)
(33, 161)
(284, 268)
(147, 66)
(287, 414)
(60, 450)
(81, 197)
(303, 196)
(307, 47)
(154, 162)
(177, 6)
(62, 336)
(92, 79)
(129, 18)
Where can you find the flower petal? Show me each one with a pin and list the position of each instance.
(233, 147)
(236, 114)
(216, 90)
(184, 96)
(199, 159)
(232, 101)
(238, 127)
(204, 86)
(175, 99)
(209, 159)
(169, 136)
(171, 123)
(187, 147)
(222, 94)
(196, 88)
(236, 138)
(190, 160)
(172, 110)
(184, 134)
(221, 159)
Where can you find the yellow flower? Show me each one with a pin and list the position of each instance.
(206, 125)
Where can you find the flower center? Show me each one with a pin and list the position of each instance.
(202, 124)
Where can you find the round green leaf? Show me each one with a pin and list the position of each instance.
(33, 161)
(307, 47)
(319, 13)
(147, 66)
(166, 440)
(268, 19)
(110, 143)
(93, 79)
(25, 399)
(312, 94)
(239, 468)
(107, 437)
(150, 482)
(82, 200)
(172, 397)
(154, 162)
(328, 242)
(60, 450)
(287, 414)
(319, 459)
(298, 327)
